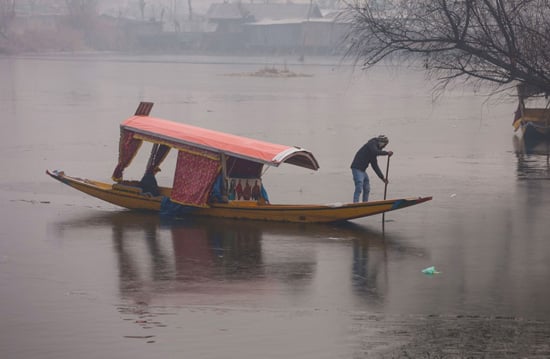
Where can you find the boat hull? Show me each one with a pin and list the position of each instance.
(534, 123)
(533, 131)
(132, 198)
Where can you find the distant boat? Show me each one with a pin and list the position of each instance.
(534, 122)
(217, 175)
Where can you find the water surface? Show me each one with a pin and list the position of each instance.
(82, 278)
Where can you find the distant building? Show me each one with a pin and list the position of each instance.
(287, 27)
(314, 36)
(239, 12)
(229, 27)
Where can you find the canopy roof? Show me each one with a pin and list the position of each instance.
(232, 145)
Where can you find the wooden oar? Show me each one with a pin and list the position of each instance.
(386, 190)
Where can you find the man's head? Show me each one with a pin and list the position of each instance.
(382, 141)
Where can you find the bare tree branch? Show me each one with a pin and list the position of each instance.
(500, 42)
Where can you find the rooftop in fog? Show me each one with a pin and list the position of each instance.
(273, 11)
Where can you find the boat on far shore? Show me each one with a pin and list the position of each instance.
(217, 175)
(532, 116)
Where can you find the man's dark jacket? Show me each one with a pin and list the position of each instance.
(367, 155)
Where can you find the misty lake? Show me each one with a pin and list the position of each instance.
(80, 278)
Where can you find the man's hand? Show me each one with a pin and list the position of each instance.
(385, 180)
(390, 153)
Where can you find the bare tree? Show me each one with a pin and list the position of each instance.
(7, 14)
(500, 42)
(82, 15)
(142, 8)
(32, 6)
(82, 7)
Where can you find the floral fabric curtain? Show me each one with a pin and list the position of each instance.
(196, 171)
(127, 149)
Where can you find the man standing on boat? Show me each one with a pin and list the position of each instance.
(368, 155)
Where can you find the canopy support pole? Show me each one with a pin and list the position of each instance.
(223, 159)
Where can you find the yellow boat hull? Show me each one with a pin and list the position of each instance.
(132, 198)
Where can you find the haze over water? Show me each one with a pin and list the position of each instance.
(81, 278)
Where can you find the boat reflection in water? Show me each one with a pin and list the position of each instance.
(533, 157)
(231, 262)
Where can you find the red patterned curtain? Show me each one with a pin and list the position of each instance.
(127, 149)
(158, 154)
(194, 177)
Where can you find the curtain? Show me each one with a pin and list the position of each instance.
(127, 149)
(158, 154)
(195, 174)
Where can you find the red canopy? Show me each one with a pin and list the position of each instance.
(237, 146)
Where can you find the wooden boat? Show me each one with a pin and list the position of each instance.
(217, 175)
(534, 122)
